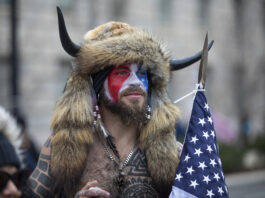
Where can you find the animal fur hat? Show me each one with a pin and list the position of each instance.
(114, 43)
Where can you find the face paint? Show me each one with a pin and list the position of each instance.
(122, 77)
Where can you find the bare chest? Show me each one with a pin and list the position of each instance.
(135, 183)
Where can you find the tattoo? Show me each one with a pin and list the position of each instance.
(35, 173)
(43, 165)
(45, 180)
(86, 192)
(39, 182)
(137, 164)
(47, 157)
(43, 191)
(138, 182)
(48, 143)
(32, 183)
(140, 190)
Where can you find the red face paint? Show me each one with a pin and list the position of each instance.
(116, 78)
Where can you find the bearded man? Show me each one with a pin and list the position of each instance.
(114, 126)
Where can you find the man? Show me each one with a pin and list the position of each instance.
(11, 177)
(114, 126)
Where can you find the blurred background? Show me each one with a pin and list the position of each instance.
(34, 67)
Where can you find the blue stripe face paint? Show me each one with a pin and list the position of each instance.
(142, 76)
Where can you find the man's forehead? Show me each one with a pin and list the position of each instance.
(132, 66)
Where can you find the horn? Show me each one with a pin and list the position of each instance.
(176, 64)
(69, 46)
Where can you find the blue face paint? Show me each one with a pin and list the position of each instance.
(142, 76)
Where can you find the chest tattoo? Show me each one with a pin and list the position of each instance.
(138, 182)
(137, 165)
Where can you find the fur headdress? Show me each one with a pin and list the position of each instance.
(10, 140)
(111, 44)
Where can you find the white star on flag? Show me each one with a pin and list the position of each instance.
(190, 170)
(187, 157)
(206, 106)
(178, 177)
(198, 152)
(202, 165)
(210, 120)
(212, 133)
(194, 139)
(220, 190)
(206, 179)
(209, 148)
(205, 134)
(201, 121)
(210, 193)
(213, 163)
(216, 176)
(194, 184)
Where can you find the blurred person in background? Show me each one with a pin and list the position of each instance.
(12, 177)
(30, 150)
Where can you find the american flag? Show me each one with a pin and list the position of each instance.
(199, 173)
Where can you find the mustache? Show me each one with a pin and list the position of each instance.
(133, 89)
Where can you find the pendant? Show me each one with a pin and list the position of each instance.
(120, 179)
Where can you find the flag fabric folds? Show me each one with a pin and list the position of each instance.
(199, 173)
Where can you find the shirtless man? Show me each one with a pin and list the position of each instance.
(114, 126)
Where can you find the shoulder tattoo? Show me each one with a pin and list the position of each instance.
(39, 183)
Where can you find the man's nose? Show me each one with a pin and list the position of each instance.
(134, 80)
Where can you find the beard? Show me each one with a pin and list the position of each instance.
(133, 114)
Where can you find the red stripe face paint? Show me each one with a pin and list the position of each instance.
(122, 77)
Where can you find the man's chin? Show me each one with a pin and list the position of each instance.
(131, 111)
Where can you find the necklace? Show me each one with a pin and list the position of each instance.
(120, 179)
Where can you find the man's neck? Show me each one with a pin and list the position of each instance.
(124, 136)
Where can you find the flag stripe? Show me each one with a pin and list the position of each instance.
(177, 192)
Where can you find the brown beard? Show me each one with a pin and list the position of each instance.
(130, 115)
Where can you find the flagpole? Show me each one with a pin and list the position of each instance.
(203, 63)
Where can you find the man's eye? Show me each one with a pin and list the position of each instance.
(141, 73)
(122, 73)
